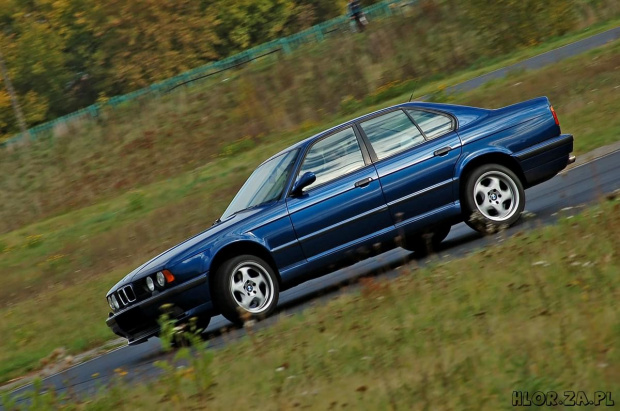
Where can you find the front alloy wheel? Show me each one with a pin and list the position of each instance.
(251, 287)
(493, 197)
(246, 288)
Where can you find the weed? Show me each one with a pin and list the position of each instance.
(236, 147)
(33, 241)
(350, 105)
(135, 201)
(191, 362)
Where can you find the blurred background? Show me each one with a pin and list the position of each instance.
(218, 86)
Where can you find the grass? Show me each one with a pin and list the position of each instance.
(88, 162)
(583, 90)
(58, 269)
(489, 64)
(537, 312)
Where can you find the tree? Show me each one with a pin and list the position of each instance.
(320, 10)
(35, 61)
(139, 42)
(242, 24)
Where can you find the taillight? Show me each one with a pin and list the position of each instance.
(555, 117)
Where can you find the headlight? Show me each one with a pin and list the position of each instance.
(115, 302)
(110, 303)
(161, 279)
(150, 284)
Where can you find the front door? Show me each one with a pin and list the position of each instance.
(345, 206)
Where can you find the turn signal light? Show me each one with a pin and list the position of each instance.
(168, 275)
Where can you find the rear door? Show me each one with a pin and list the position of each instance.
(415, 153)
(345, 206)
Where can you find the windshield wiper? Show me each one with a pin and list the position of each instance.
(219, 220)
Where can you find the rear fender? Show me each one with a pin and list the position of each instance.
(487, 155)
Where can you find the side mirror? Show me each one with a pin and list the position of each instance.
(304, 181)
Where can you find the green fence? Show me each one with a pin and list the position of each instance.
(285, 45)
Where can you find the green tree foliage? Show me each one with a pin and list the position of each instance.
(243, 23)
(66, 54)
(138, 42)
(36, 58)
(311, 12)
(63, 55)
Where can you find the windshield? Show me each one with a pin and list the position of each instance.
(264, 185)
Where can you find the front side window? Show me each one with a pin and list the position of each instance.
(266, 184)
(392, 133)
(333, 156)
(432, 124)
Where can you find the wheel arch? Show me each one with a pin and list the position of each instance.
(495, 157)
(238, 248)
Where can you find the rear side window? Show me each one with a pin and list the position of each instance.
(333, 156)
(392, 133)
(432, 124)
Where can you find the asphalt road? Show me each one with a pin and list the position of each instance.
(540, 60)
(562, 195)
(581, 185)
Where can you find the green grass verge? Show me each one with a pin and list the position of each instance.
(71, 260)
(537, 312)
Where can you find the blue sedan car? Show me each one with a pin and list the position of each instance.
(401, 176)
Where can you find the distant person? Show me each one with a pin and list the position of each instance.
(356, 14)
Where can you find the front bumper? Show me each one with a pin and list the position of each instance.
(139, 321)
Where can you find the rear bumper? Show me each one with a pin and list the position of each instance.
(543, 161)
(139, 321)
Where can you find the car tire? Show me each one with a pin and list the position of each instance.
(492, 198)
(245, 288)
(426, 243)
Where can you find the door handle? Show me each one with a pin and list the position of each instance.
(443, 151)
(364, 182)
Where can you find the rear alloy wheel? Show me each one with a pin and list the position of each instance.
(493, 198)
(426, 243)
(246, 288)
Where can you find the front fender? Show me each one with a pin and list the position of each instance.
(246, 243)
(192, 266)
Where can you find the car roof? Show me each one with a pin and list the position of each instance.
(309, 140)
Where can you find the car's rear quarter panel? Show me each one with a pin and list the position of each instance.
(515, 131)
(513, 128)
